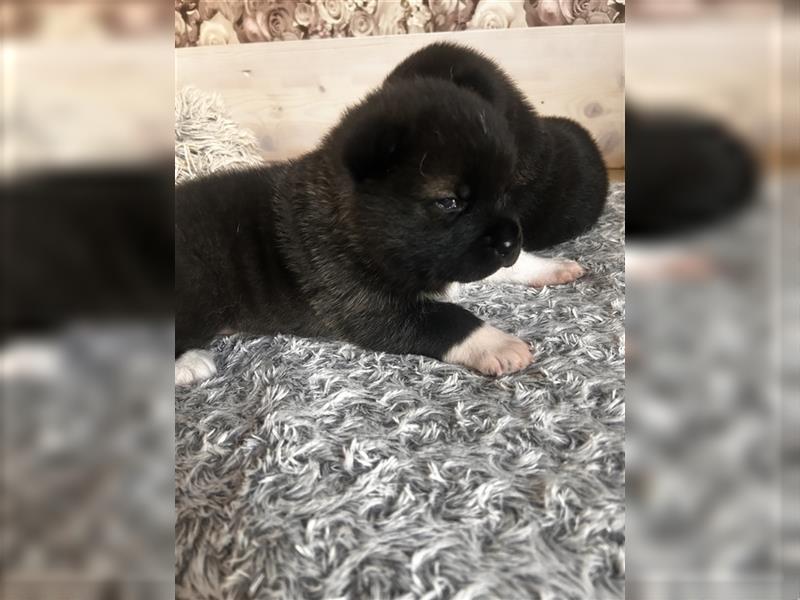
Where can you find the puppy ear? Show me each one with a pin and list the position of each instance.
(373, 146)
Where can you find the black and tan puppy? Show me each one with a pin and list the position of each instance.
(560, 181)
(442, 175)
(407, 194)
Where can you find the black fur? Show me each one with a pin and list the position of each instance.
(342, 241)
(561, 180)
(348, 240)
(685, 172)
(86, 243)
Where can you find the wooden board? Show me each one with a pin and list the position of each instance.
(290, 93)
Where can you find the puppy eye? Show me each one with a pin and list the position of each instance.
(449, 204)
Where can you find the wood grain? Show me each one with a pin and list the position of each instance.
(291, 93)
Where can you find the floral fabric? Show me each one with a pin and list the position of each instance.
(214, 22)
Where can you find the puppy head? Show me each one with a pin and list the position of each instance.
(465, 67)
(428, 165)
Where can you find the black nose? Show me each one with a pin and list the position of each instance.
(504, 247)
(504, 238)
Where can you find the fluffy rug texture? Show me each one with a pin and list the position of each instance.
(313, 469)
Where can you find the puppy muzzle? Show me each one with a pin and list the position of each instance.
(504, 239)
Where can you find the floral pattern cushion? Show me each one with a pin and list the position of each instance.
(214, 22)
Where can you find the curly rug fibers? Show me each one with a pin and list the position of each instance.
(311, 469)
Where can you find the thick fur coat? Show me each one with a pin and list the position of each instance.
(430, 180)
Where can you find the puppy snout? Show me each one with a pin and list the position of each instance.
(505, 240)
(504, 246)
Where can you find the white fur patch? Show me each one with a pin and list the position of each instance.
(450, 294)
(491, 352)
(668, 261)
(193, 366)
(38, 359)
(537, 271)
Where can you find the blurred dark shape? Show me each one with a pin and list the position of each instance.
(683, 172)
(86, 372)
(91, 242)
(86, 282)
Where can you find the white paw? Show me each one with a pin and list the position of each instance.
(562, 271)
(491, 352)
(36, 359)
(537, 271)
(669, 262)
(193, 366)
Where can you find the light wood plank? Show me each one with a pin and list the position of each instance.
(727, 69)
(291, 93)
(616, 175)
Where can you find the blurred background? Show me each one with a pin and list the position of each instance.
(712, 158)
(86, 283)
(712, 371)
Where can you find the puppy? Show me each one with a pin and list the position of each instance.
(560, 182)
(687, 172)
(407, 194)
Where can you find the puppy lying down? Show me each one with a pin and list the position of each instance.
(444, 174)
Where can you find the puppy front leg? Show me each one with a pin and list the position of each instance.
(446, 332)
(491, 352)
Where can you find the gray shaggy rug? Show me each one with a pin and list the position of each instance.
(311, 469)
